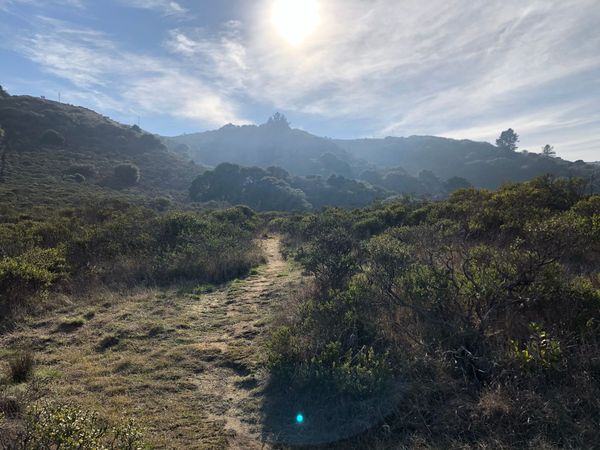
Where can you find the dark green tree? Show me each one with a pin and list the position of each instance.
(548, 150)
(52, 137)
(508, 140)
(127, 174)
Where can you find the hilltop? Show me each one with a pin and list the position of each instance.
(55, 153)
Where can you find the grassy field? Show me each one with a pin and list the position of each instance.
(187, 364)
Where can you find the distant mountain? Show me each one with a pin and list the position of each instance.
(56, 153)
(275, 143)
(481, 163)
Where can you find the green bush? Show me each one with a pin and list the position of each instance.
(70, 428)
(486, 306)
(126, 175)
(119, 244)
(28, 274)
(52, 137)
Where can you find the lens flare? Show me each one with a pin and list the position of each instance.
(299, 418)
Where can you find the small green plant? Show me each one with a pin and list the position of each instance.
(541, 351)
(70, 428)
(21, 365)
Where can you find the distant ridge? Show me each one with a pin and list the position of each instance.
(301, 153)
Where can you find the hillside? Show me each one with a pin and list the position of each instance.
(275, 143)
(60, 154)
(483, 164)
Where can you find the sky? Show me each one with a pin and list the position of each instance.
(339, 68)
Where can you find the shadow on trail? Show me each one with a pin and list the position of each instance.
(317, 416)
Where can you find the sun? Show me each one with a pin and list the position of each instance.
(295, 20)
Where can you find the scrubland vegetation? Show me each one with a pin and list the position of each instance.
(54, 259)
(470, 323)
(119, 244)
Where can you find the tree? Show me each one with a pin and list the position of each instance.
(3, 93)
(508, 140)
(52, 137)
(278, 121)
(456, 183)
(548, 150)
(127, 174)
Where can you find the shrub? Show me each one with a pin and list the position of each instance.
(53, 138)
(487, 292)
(161, 203)
(127, 174)
(21, 366)
(70, 428)
(32, 272)
(87, 170)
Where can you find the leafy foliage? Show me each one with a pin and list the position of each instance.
(127, 174)
(484, 291)
(70, 428)
(52, 137)
(275, 189)
(508, 140)
(119, 243)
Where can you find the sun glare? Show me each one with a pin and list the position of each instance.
(295, 20)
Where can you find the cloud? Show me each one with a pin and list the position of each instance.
(167, 7)
(446, 67)
(440, 67)
(109, 76)
(9, 5)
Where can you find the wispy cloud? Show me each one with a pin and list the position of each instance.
(134, 83)
(7, 5)
(447, 67)
(439, 67)
(168, 7)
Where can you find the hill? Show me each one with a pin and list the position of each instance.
(275, 143)
(482, 163)
(55, 153)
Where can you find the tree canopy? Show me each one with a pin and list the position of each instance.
(508, 140)
(548, 150)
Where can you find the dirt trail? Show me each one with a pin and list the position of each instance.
(236, 380)
(188, 365)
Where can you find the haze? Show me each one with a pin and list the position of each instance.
(343, 69)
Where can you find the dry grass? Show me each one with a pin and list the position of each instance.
(20, 366)
(185, 365)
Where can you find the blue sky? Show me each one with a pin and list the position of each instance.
(366, 68)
